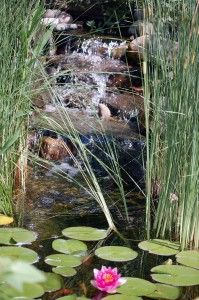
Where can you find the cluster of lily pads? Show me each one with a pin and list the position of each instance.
(73, 251)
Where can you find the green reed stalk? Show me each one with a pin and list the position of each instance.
(19, 21)
(174, 134)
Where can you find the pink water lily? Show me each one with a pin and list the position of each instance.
(107, 279)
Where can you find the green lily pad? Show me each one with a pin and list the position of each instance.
(85, 233)
(21, 253)
(69, 297)
(15, 235)
(176, 275)
(63, 260)
(122, 297)
(160, 247)
(53, 282)
(74, 247)
(29, 290)
(189, 258)
(166, 292)
(64, 271)
(22, 298)
(116, 253)
(136, 287)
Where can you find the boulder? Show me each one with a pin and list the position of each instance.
(54, 149)
(141, 28)
(137, 47)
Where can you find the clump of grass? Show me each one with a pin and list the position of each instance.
(173, 141)
(19, 22)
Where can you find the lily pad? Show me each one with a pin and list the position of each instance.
(136, 287)
(65, 271)
(5, 220)
(122, 297)
(15, 235)
(116, 253)
(63, 260)
(29, 290)
(160, 247)
(69, 297)
(20, 253)
(189, 258)
(176, 275)
(74, 247)
(85, 233)
(166, 292)
(53, 282)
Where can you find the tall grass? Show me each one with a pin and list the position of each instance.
(173, 135)
(19, 21)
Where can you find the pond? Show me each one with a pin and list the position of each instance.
(87, 171)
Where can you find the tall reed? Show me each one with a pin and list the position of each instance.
(172, 94)
(19, 21)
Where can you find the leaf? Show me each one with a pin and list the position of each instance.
(122, 297)
(65, 271)
(116, 253)
(20, 274)
(74, 247)
(5, 220)
(10, 142)
(63, 260)
(53, 282)
(165, 291)
(29, 290)
(19, 253)
(176, 275)
(85, 233)
(160, 247)
(69, 297)
(17, 235)
(136, 287)
(189, 258)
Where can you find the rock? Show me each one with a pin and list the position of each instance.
(119, 81)
(54, 149)
(136, 48)
(52, 13)
(103, 111)
(119, 52)
(141, 28)
(126, 105)
(65, 18)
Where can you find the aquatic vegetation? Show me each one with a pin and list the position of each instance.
(171, 103)
(107, 279)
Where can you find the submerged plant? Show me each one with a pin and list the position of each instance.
(107, 279)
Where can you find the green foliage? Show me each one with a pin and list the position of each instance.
(63, 260)
(188, 258)
(116, 253)
(16, 281)
(160, 247)
(164, 291)
(136, 287)
(176, 275)
(14, 235)
(73, 247)
(171, 100)
(19, 23)
(52, 283)
(84, 233)
(64, 271)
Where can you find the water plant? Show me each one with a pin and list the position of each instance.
(19, 22)
(171, 98)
